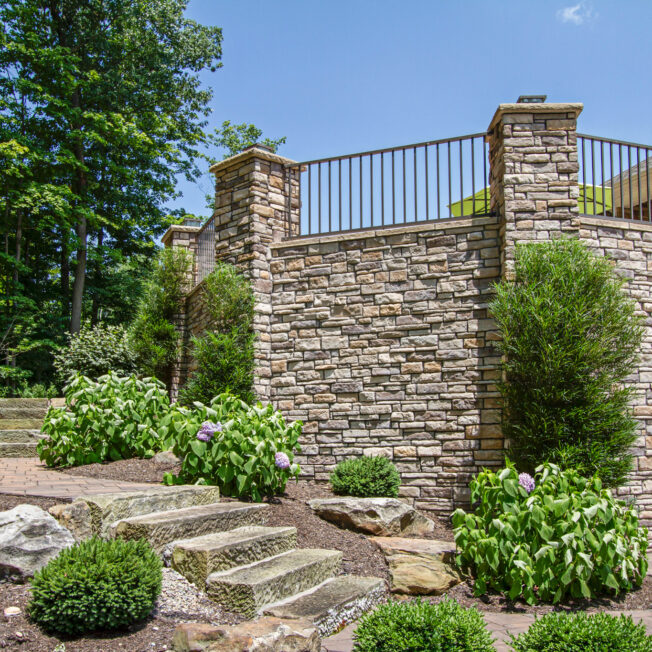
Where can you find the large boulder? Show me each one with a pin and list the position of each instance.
(266, 634)
(29, 538)
(75, 517)
(419, 566)
(385, 517)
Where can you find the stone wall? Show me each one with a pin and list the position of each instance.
(629, 244)
(381, 344)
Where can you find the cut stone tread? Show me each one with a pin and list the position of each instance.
(161, 528)
(23, 412)
(21, 436)
(335, 603)
(248, 589)
(21, 424)
(24, 402)
(198, 557)
(17, 449)
(106, 509)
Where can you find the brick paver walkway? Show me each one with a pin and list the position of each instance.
(26, 476)
(500, 624)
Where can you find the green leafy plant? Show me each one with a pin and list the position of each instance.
(247, 450)
(570, 337)
(153, 335)
(224, 354)
(366, 476)
(548, 537)
(96, 585)
(411, 626)
(112, 418)
(94, 352)
(580, 632)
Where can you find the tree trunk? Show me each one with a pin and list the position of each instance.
(19, 240)
(98, 274)
(65, 273)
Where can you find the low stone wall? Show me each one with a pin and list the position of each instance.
(381, 343)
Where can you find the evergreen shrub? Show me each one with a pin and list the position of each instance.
(570, 337)
(366, 476)
(96, 585)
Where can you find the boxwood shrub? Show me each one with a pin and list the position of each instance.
(96, 585)
(580, 632)
(366, 476)
(548, 537)
(411, 626)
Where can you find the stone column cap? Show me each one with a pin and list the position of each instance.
(535, 108)
(250, 152)
(179, 228)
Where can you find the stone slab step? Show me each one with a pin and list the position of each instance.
(197, 558)
(247, 589)
(106, 509)
(21, 436)
(23, 412)
(160, 528)
(17, 449)
(333, 604)
(21, 424)
(24, 403)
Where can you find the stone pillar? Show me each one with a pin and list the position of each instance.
(533, 173)
(256, 203)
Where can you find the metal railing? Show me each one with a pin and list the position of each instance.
(613, 178)
(206, 250)
(434, 180)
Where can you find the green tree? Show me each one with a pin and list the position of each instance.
(570, 339)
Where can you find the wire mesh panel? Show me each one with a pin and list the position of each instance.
(206, 250)
(614, 178)
(402, 185)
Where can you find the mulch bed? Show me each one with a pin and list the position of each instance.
(360, 557)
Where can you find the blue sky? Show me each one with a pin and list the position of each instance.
(341, 76)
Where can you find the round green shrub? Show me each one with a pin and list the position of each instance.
(411, 626)
(96, 585)
(366, 476)
(598, 632)
(548, 537)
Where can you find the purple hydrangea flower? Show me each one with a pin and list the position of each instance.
(208, 430)
(282, 461)
(526, 481)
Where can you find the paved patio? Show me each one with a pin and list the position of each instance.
(500, 624)
(26, 476)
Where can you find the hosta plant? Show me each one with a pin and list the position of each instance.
(549, 537)
(112, 419)
(246, 450)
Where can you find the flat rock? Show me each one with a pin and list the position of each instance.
(166, 457)
(419, 566)
(29, 538)
(263, 635)
(76, 517)
(333, 604)
(385, 517)
(109, 508)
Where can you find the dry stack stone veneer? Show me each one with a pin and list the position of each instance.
(380, 340)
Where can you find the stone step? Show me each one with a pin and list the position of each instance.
(24, 403)
(160, 528)
(17, 449)
(197, 558)
(21, 436)
(21, 424)
(23, 412)
(333, 604)
(247, 589)
(106, 509)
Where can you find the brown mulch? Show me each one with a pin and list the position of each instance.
(9, 501)
(134, 470)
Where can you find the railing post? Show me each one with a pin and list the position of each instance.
(253, 193)
(533, 173)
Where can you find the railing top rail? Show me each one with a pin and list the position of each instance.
(399, 148)
(614, 142)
